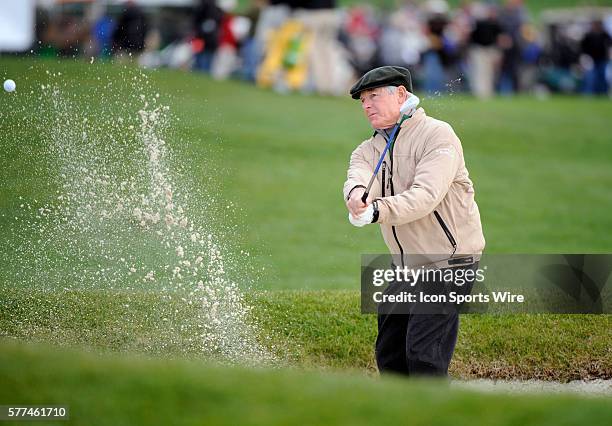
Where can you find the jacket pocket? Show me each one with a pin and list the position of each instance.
(447, 232)
(403, 176)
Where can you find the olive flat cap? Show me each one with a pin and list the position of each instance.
(380, 77)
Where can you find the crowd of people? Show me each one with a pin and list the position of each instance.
(314, 46)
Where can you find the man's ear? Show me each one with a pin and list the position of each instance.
(403, 94)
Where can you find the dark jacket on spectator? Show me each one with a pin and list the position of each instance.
(486, 32)
(131, 30)
(596, 44)
(207, 23)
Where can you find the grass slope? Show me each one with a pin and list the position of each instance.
(188, 393)
(311, 329)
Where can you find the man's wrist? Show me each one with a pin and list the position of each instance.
(376, 212)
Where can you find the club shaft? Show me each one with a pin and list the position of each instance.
(364, 197)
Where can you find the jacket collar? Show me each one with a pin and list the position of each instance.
(418, 115)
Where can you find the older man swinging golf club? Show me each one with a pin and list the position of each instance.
(410, 178)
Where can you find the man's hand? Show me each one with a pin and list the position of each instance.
(355, 206)
(365, 219)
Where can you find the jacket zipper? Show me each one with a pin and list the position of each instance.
(384, 166)
(393, 193)
(448, 233)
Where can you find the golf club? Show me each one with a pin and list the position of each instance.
(409, 106)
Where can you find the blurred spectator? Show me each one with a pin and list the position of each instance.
(103, 29)
(65, 35)
(596, 45)
(207, 23)
(225, 58)
(439, 52)
(484, 52)
(328, 66)
(131, 30)
(402, 38)
(531, 54)
(458, 33)
(512, 19)
(361, 32)
(251, 51)
(564, 54)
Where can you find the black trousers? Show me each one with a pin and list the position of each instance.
(416, 343)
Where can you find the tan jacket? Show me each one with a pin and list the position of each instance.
(426, 198)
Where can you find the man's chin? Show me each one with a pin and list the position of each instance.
(375, 124)
(379, 125)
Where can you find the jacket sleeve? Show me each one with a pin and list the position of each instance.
(433, 176)
(359, 171)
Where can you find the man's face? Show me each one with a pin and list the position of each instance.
(381, 107)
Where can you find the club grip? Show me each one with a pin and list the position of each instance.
(364, 197)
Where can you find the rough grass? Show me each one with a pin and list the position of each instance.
(314, 330)
(97, 390)
(329, 330)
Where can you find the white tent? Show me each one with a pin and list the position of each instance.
(17, 25)
(50, 3)
(17, 18)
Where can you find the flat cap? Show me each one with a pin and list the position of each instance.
(380, 77)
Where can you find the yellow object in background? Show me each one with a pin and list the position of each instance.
(285, 62)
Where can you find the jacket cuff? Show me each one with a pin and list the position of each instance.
(383, 211)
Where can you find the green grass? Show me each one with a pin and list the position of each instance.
(541, 168)
(310, 329)
(97, 390)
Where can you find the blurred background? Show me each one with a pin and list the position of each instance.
(321, 46)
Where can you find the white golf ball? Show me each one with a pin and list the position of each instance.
(9, 85)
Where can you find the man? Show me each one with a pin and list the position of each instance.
(596, 44)
(207, 27)
(424, 202)
(485, 52)
(131, 30)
